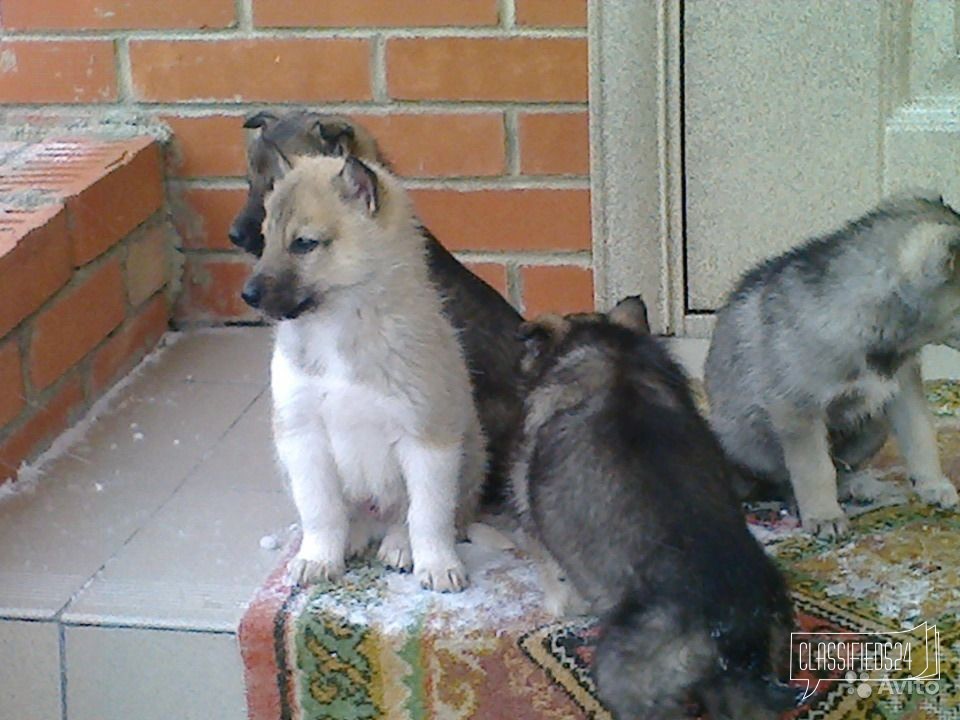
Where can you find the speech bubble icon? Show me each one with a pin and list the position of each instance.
(807, 692)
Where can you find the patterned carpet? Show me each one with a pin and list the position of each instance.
(378, 647)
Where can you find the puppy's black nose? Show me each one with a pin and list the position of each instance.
(236, 237)
(252, 292)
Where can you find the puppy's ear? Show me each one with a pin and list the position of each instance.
(631, 313)
(284, 165)
(357, 183)
(931, 252)
(259, 119)
(335, 136)
(538, 337)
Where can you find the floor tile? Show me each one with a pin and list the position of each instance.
(245, 458)
(195, 565)
(240, 355)
(92, 499)
(122, 674)
(29, 671)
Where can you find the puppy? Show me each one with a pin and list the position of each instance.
(817, 353)
(373, 419)
(624, 495)
(484, 321)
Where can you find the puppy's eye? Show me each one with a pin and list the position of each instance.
(302, 245)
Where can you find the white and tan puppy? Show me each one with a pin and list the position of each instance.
(374, 422)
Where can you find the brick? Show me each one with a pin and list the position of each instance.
(50, 419)
(556, 288)
(211, 290)
(494, 274)
(75, 323)
(116, 14)
(208, 146)
(61, 71)
(148, 263)
(131, 342)
(374, 13)
(551, 13)
(203, 217)
(67, 166)
(554, 144)
(497, 69)
(11, 382)
(441, 145)
(116, 203)
(271, 70)
(35, 261)
(507, 219)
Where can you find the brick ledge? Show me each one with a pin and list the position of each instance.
(84, 279)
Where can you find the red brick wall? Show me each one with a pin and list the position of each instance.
(481, 104)
(84, 280)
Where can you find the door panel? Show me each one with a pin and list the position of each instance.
(782, 129)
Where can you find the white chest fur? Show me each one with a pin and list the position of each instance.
(359, 423)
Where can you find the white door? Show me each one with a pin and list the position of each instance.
(725, 131)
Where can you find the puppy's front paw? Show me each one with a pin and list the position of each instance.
(395, 552)
(937, 492)
(868, 485)
(304, 571)
(831, 527)
(442, 575)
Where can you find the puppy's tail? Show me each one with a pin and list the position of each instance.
(652, 662)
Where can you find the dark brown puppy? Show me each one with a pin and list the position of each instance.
(625, 499)
(486, 324)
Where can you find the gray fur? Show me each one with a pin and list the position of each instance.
(816, 354)
(624, 498)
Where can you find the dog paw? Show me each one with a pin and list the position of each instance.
(937, 492)
(867, 485)
(303, 571)
(395, 552)
(443, 576)
(359, 540)
(827, 528)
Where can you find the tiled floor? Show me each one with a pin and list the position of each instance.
(125, 572)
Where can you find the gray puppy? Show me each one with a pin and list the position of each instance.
(816, 354)
(625, 498)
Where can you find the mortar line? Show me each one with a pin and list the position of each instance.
(512, 134)
(378, 69)
(244, 14)
(201, 108)
(125, 90)
(301, 33)
(522, 258)
(62, 646)
(508, 14)
(464, 184)
(514, 287)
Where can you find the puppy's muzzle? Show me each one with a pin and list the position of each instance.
(252, 293)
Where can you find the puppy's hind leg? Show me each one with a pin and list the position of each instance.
(813, 476)
(917, 438)
(560, 597)
(431, 473)
(324, 518)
